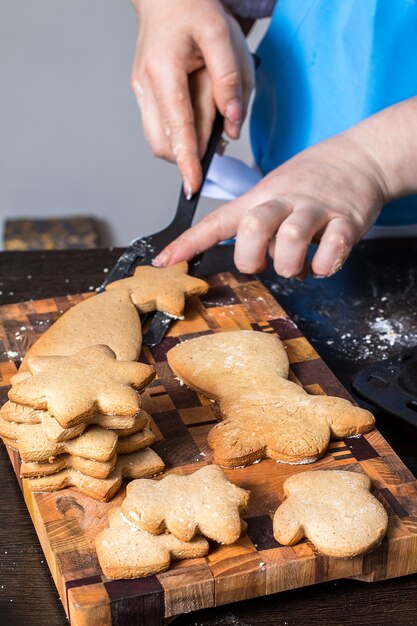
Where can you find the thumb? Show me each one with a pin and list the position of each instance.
(217, 226)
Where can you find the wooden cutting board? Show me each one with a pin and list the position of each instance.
(67, 521)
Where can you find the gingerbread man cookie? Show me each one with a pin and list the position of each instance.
(204, 502)
(73, 388)
(265, 415)
(125, 551)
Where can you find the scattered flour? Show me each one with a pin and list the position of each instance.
(12, 354)
(385, 336)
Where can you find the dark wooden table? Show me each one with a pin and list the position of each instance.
(366, 312)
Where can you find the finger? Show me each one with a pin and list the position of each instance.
(204, 108)
(224, 70)
(293, 238)
(246, 96)
(305, 269)
(151, 121)
(255, 230)
(217, 226)
(248, 82)
(172, 94)
(335, 245)
(233, 129)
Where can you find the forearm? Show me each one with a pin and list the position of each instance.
(390, 139)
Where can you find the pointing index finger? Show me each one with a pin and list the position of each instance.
(172, 94)
(217, 226)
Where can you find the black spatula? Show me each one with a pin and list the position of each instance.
(142, 250)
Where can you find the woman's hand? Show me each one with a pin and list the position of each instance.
(329, 194)
(190, 58)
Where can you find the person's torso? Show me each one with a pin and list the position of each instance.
(325, 66)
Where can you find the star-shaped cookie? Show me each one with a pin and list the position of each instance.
(203, 503)
(161, 288)
(72, 388)
(127, 552)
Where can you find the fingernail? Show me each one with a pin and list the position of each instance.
(338, 266)
(234, 111)
(238, 127)
(233, 129)
(162, 259)
(187, 189)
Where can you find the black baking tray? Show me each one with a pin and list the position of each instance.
(391, 385)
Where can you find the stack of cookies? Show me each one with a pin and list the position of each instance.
(77, 421)
(74, 410)
(166, 520)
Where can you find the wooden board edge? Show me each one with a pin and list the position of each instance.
(33, 509)
(89, 605)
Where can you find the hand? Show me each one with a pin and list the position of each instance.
(191, 57)
(329, 194)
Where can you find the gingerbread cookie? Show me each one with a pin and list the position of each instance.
(161, 288)
(137, 441)
(20, 413)
(123, 424)
(334, 510)
(266, 415)
(108, 318)
(128, 444)
(138, 465)
(119, 423)
(73, 388)
(96, 469)
(124, 551)
(141, 421)
(95, 443)
(202, 503)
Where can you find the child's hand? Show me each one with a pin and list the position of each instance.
(330, 194)
(191, 56)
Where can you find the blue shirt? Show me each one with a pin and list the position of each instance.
(325, 66)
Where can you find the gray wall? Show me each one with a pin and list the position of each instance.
(71, 140)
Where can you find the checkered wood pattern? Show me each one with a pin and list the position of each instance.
(67, 521)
